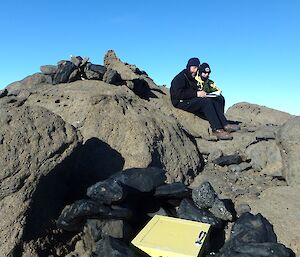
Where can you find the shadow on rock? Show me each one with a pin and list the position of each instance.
(49, 199)
(95, 161)
(142, 89)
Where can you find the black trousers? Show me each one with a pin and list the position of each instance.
(211, 107)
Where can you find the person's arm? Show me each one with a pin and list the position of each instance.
(213, 87)
(180, 90)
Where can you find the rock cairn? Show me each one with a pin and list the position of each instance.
(118, 207)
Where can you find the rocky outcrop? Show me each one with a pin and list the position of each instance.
(253, 114)
(79, 123)
(35, 143)
(142, 135)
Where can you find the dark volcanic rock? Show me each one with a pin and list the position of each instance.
(220, 210)
(74, 216)
(3, 92)
(140, 179)
(204, 196)
(114, 228)
(187, 210)
(112, 77)
(64, 70)
(264, 249)
(228, 160)
(174, 190)
(253, 235)
(111, 247)
(94, 71)
(107, 191)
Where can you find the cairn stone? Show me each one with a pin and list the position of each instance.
(48, 69)
(74, 216)
(251, 236)
(111, 247)
(174, 190)
(187, 210)
(108, 191)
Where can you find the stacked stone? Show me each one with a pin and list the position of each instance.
(119, 206)
(77, 68)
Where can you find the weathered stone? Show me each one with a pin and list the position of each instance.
(239, 167)
(265, 135)
(48, 69)
(34, 150)
(289, 142)
(254, 114)
(111, 61)
(266, 157)
(215, 155)
(241, 209)
(30, 82)
(137, 130)
(76, 60)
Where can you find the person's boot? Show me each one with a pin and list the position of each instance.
(232, 127)
(221, 134)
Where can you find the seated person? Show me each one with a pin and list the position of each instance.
(189, 90)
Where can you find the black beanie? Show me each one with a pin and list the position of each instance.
(193, 62)
(205, 67)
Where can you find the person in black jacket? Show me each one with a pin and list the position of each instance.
(186, 94)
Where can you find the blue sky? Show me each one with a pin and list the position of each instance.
(253, 47)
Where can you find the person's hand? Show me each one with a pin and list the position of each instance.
(201, 93)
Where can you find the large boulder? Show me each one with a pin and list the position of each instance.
(141, 133)
(289, 141)
(34, 147)
(281, 206)
(253, 114)
(266, 157)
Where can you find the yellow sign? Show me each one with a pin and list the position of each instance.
(172, 237)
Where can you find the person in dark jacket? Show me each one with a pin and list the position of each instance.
(188, 94)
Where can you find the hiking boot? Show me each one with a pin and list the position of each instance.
(221, 134)
(232, 127)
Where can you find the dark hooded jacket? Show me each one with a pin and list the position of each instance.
(183, 87)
